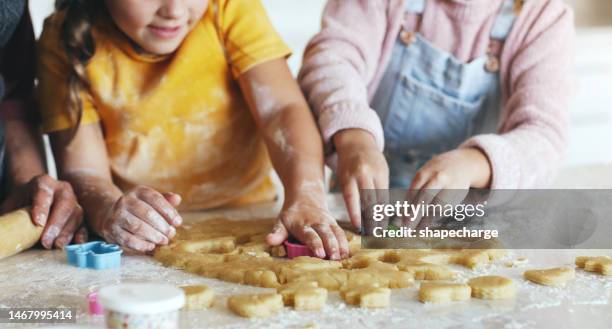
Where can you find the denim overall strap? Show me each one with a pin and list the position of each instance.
(501, 28)
(430, 102)
(415, 6)
(504, 22)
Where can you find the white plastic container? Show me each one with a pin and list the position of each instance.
(141, 306)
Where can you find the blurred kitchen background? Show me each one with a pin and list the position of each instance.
(590, 152)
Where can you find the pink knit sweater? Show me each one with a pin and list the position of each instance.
(344, 63)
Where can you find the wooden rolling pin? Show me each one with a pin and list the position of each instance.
(17, 232)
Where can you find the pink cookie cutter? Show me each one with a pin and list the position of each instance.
(94, 306)
(296, 250)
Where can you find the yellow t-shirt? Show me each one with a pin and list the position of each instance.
(176, 123)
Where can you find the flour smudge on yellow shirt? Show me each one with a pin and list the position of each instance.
(175, 123)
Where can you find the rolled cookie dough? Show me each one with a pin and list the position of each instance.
(601, 265)
(492, 287)
(255, 305)
(434, 292)
(550, 277)
(235, 251)
(198, 297)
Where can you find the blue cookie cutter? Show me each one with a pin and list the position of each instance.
(96, 255)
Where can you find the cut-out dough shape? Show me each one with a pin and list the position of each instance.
(550, 277)
(492, 287)
(601, 265)
(255, 305)
(366, 296)
(435, 292)
(303, 296)
(198, 297)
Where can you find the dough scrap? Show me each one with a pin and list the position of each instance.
(426, 271)
(550, 277)
(601, 264)
(519, 262)
(439, 292)
(278, 251)
(368, 270)
(304, 296)
(198, 297)
(492, 287)
(255, 305)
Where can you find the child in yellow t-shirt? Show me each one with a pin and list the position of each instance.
(152, 104)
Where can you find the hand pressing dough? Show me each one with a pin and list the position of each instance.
(601, 265)
(198, 297)
(255, 305)
(431, 292)
(550, 277)
(492, 287)
(303, 296)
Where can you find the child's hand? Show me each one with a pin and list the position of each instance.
(52, 205)
(457, 170)
(308, 220)
(141, 219)
(360, 166)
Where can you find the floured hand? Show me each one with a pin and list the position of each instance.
(141, 219)
(309, 221)
(54, 206)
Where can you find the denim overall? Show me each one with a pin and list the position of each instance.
(430, 102)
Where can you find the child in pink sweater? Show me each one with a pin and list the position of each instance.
(461, 93)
